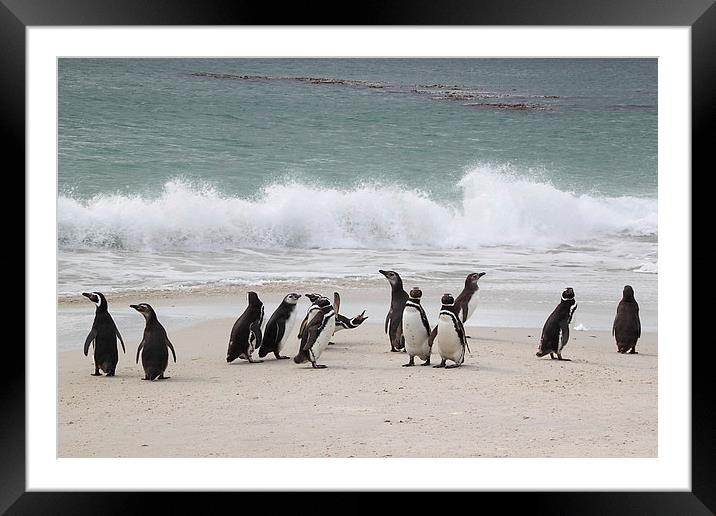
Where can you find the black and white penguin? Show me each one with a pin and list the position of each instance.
(344, 323)
(104, 334)
(627, 326)
(394, 319)
(317, 334)
(246, 332)
(466, 301)
(452, 341)
(312, 310)
(278, 327)
(153, 347)
(416, 329)
(555, 332)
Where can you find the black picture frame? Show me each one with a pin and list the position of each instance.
(17, 15)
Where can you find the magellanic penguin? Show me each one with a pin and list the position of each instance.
(246, 332)
(452, 341)
(394, 319)
(343, 322)
(153, 347)
(466, 301)
(278, 327)
(312, 310)
(555, 332)
(317, 334)
(416, 329)
(104, 334)
(627, 326)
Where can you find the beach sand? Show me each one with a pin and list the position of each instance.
(503, 402)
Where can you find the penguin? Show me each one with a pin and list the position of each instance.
(451, 334)
(317, 334)
(153, 347)
(416, 329)
(344, 323)
(466, 301)
(555, 332)
(394, 319)
(627, 326)
(104, 334)
(312, 310)
(279, 327)
(246, 332)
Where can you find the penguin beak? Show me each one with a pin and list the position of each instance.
(89, 296)
(136, 307)
(384, 273)
(480, 275)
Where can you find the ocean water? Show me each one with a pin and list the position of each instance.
(204, 173)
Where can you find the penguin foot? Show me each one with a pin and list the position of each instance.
(96, 374)
(633, 352)
(565, 359)
(318, 366)
(394, 350)
(331, 343)
(452, 366)
(409, 364)
(162, 377)
(111, 373)
(426, 362)
(441, 364)
(281, 357)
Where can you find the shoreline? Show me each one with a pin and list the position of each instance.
(503, 402)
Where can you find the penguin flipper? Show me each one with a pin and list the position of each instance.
(169, 345)
(638, 323)
(432, 336)
(336, 301)
(89, 339)
(302, 327)
(118, 335)
(387, 322)
(141, 345)
(256, 329)
(280, 330)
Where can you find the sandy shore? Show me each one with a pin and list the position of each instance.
(503, 402)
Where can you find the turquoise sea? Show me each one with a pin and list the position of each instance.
(211, 173)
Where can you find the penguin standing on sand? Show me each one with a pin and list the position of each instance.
(466, 301)
(312, 310)
(452, 341)
(317, 334)
(416, 329)
(153, 347)
(627, 326)
(555, 332)
(246, 332)
(104, 334)
(279, 327)
(394, 319)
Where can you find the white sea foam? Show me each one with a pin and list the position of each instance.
(494, 209)
(648, 268)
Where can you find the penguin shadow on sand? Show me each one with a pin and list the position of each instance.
(104, 335)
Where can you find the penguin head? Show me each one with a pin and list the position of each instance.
(323, 302)
(313, 297)
(253, 298)
(416, 293)
(447, 299)
(568, 294)
(392, 277)
(97, 298)
(292, 298)
(146, 310)
(628, 292)
(358, 319)
(471, 280)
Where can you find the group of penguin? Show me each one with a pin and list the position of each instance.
(406, 325)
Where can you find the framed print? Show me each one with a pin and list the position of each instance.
(235, 191)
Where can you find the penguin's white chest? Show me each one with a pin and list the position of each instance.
(323, 338)
(287, 331)
(471, 305)
(416, 337)
(449, 343)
